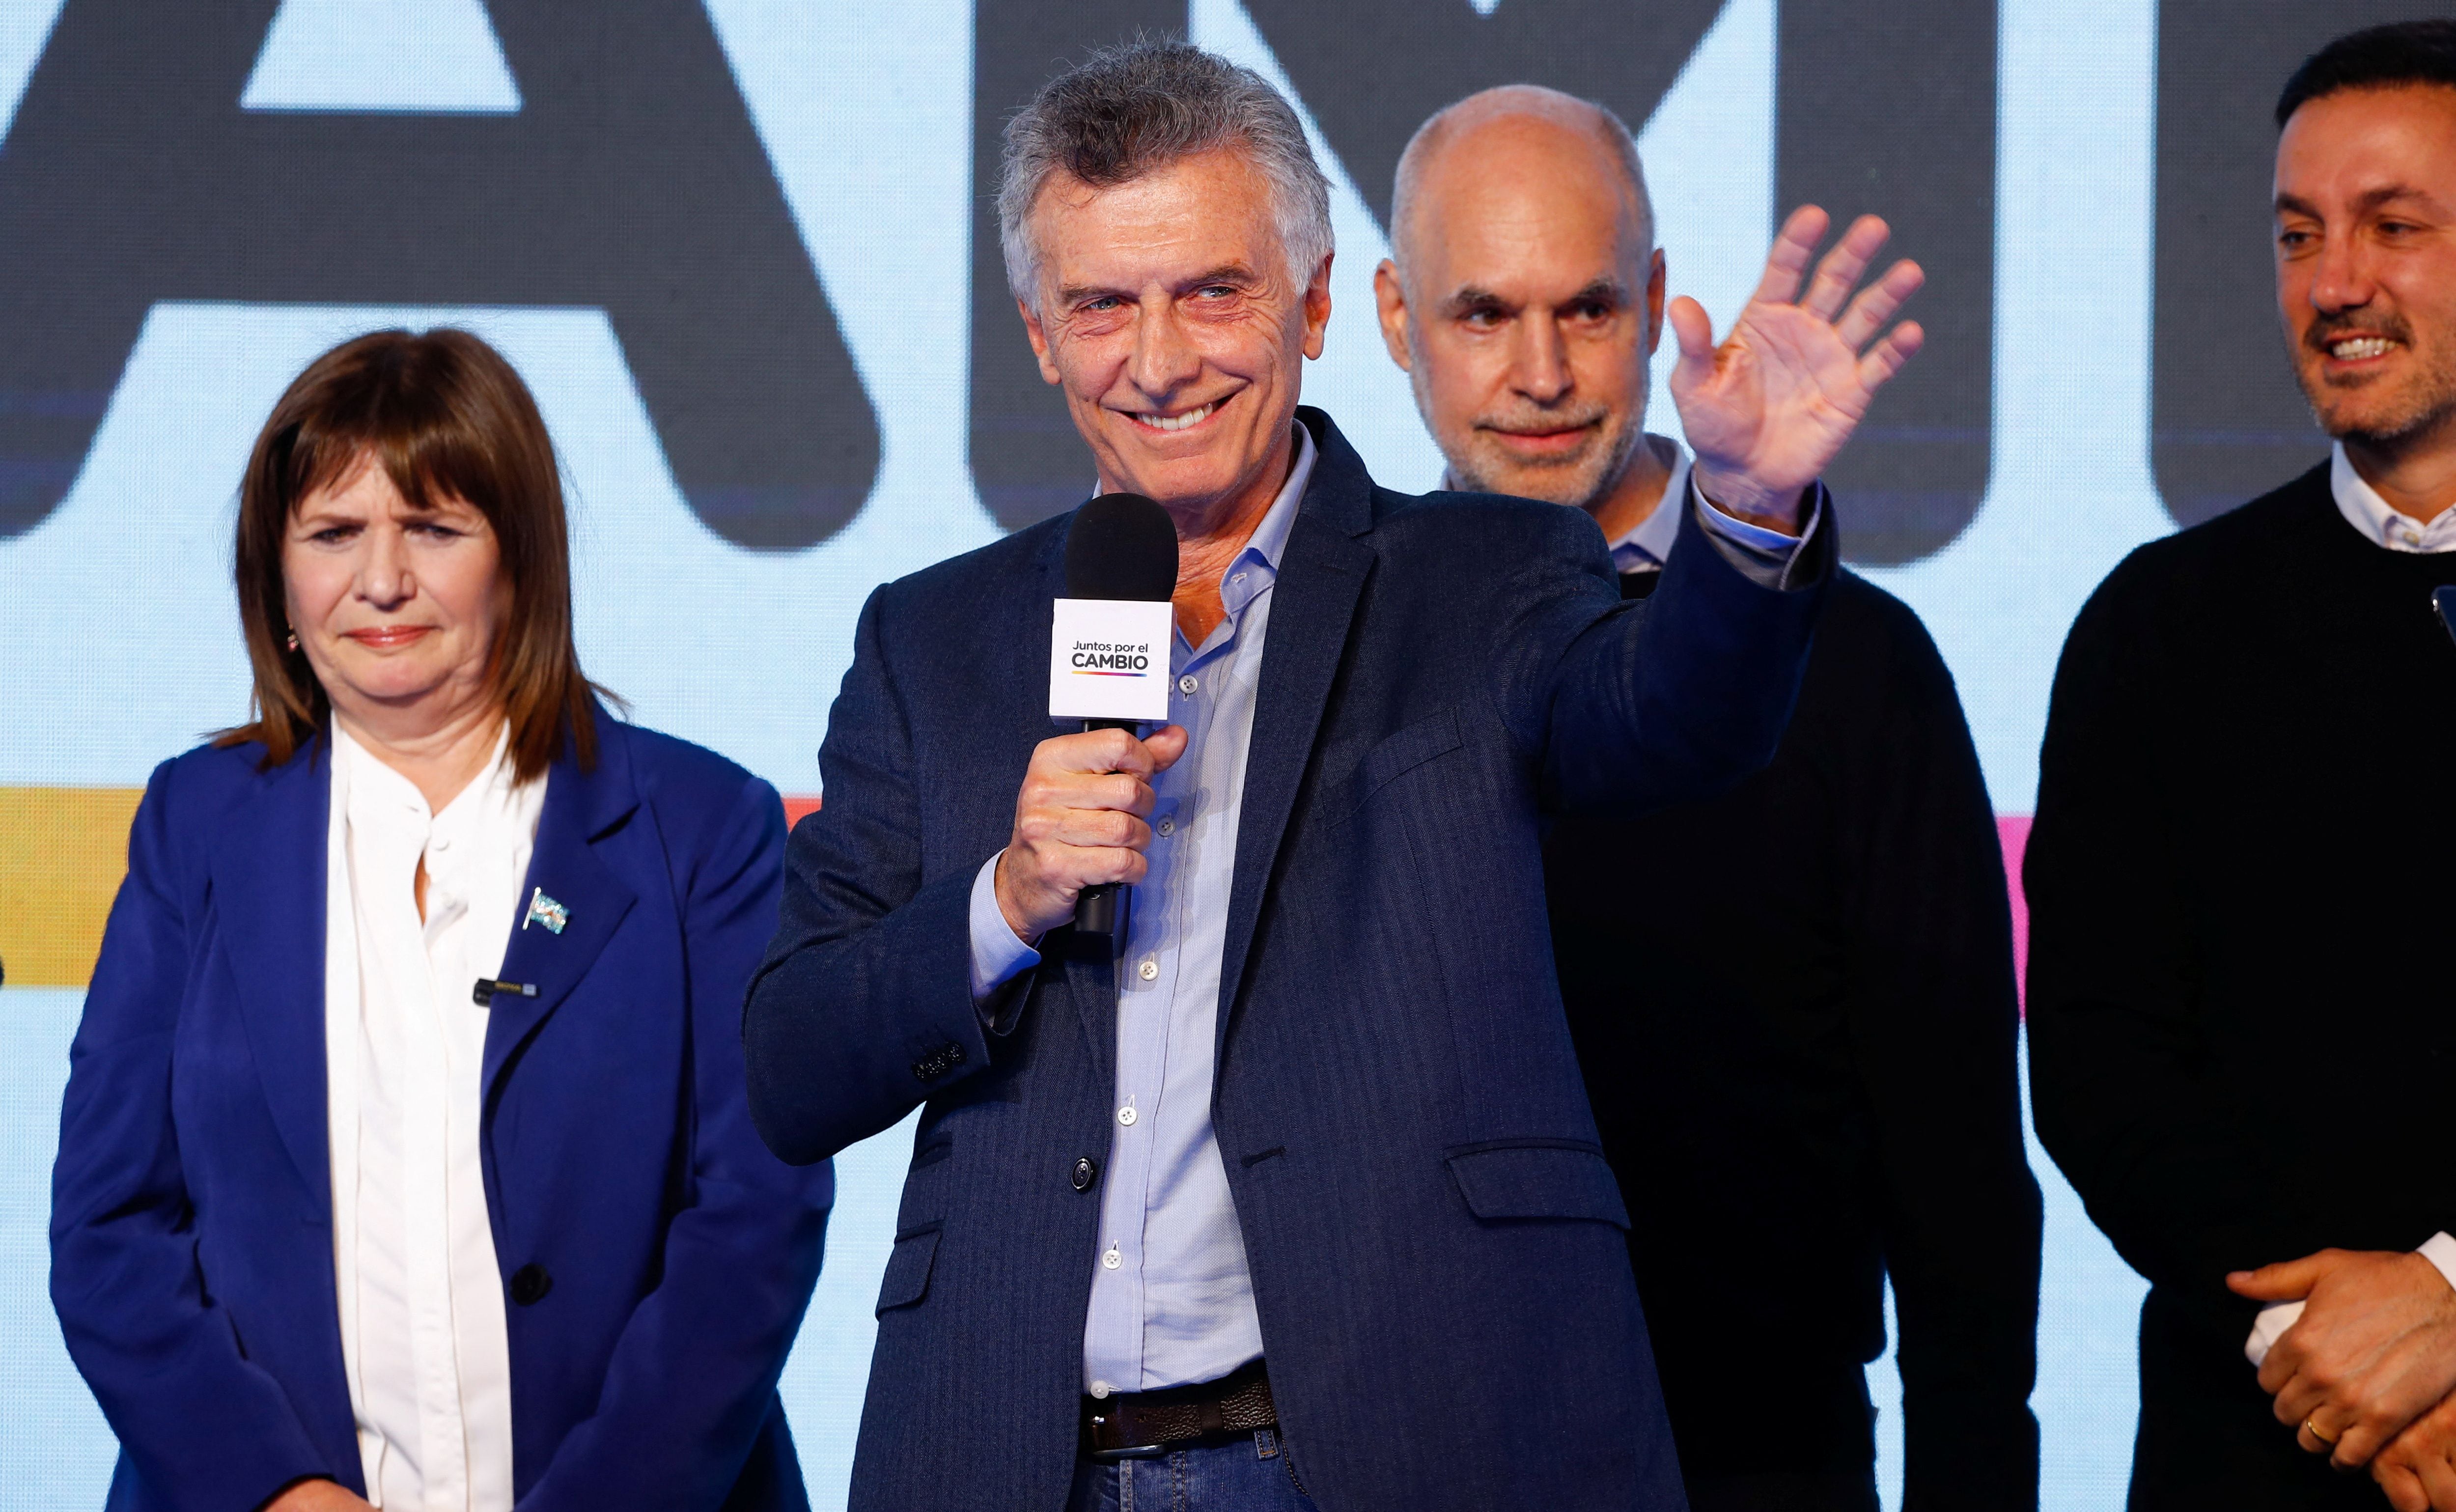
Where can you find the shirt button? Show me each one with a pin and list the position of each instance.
(1100, 1388)
(1112, 1259)
(1167, 826)
(1187, 684)
(1126, 1116)
(441, 844)
(1149, 970)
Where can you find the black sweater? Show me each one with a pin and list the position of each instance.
(1795, 1007)
(2242, 1020)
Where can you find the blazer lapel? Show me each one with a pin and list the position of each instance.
(269, 870)
(1313, 603)
(580, 809)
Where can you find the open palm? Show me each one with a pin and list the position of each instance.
(1769, 408)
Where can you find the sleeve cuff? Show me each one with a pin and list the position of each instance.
(1765, 556)
(998, 957)
(2439, 1250)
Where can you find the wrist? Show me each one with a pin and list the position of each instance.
(1017, 921)
(1743, 498)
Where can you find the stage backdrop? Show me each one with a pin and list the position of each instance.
(743, 252)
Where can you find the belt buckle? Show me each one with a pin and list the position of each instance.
(1137, 1451)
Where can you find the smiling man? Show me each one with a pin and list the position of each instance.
(1837, 1059)
(1288, 1196)
(2239, 1027)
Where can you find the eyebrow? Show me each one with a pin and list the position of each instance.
(1236, 273)
(1470, 297)
(2372, 201)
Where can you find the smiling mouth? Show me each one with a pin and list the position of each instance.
(1176, 422)
(2360, 348)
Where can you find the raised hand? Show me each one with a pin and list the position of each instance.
(1769, 408)
(2374, 1349)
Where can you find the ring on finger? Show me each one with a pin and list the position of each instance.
(2313, 1430)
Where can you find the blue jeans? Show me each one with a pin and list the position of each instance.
(1243, 1475)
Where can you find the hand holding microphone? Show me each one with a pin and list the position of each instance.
(1080, 822)
(1079, 827)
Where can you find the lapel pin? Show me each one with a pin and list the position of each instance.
(544, 911)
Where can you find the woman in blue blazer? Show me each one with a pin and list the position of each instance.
(405, 1159)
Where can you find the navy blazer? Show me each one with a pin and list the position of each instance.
(1436, 1243)
(662, 1255)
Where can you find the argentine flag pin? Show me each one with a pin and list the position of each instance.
(544, 911)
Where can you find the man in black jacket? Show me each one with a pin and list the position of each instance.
(1793, 1004)
(2239, 1021)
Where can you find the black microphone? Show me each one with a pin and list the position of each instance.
(1108, 648)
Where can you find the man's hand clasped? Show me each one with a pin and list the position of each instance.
(1081, 818)
(1769, 408)
(2364, 1375)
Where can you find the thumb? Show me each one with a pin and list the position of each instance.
(2285, 1281)
(1695, 332)
(1166, 744)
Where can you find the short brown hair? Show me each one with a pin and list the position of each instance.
(446, 418)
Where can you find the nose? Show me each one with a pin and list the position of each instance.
(1165, 359)
(1542, 360)
(385, 578)
(2343, 280)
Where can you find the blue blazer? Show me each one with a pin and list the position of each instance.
(657, 1257)
(1436, 1243)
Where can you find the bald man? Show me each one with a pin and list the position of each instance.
(1817, 1088)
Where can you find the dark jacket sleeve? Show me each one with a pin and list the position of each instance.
(693, 1375)
(1678, 697)
(1933, 1019)
(204, 1427)
(863, 1007)
(2118, 1066)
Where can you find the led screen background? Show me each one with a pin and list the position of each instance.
(739, 250)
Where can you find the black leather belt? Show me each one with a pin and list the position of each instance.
(1143, 1425)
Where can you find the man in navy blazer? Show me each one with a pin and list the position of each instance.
(1291, 1197)
(658, 1264)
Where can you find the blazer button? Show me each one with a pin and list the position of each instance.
(1086, 1171)
(530, 1283)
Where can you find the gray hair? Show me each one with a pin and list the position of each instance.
(1521, 99)
(1137, 108)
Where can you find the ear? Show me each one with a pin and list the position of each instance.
(1390, 300)
(1039, 342)
(1655, 285)
(1317, 308)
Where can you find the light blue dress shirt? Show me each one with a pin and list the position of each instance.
(1172, 1300)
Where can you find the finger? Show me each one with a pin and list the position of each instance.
(1888, 357)
(1093, 750)
(1795, 246)
(1165, 746)
(2285, 1281)
(1877, 303)
(1839, 273)
(2437, 1482)
(1694, 331)
(1100, 829)
(1099, 793)
(2404, 1489)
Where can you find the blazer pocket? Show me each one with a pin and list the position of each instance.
(907, 1269)
(1538, 1179)
(1401, 751)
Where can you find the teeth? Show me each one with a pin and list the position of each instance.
(1178, 422)
(2357, 348)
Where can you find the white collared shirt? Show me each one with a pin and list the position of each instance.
(2379, 521)
(422, 1298)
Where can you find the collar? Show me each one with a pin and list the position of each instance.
(2381, 523)
(1254, 567)
(1648, 546)
(368, 782)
